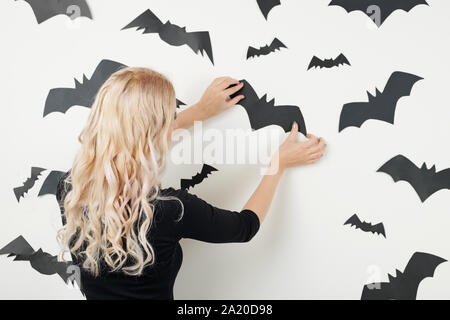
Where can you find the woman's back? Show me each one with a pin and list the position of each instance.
(199, 221)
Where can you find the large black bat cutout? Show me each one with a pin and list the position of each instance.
(198, 178)
(365, 226)
(62, 99)
(263, 113)
(328, 63)
(46, 9)
(40, 261)
(383, 7)
(404, 286)
(29, 183)
(382, 106)
(425, 181)
(173, 34)
(263, 51)
(266, 5)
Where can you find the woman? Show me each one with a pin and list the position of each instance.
(121, 227)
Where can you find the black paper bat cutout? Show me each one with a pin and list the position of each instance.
(275, 45)
(29, 183)
(386, 7)
(62, 99)
(266, 5)
(263, 113)
(328, 63)
(46, 9)
(404, 286)
(51, 183)
(365, 226)
(198, 178)
(382, 106)
(40, 261)
(425, 181)
(173, 34)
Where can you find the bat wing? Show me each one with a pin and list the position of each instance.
(18, 246)
(276, 45)
(422, 265)
(147, 21)
(198, 178)
(440, 181)
(354, 115)
(102, 73)
(44, 10)
(51, 183)
(62, 99)
(252, 52)
(341, 59)
(28, 184)
(200, 41)
(315, 62)
(266, 5)
(180, 103)
(379, 229)
(401, 168)
(399, 85)
(353, 221)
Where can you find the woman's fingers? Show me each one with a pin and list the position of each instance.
(226, 82)
(235, 100)
(228, 92)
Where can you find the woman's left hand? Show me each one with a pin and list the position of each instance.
(216, 98)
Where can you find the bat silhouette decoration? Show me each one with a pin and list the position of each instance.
(404, 286)
(365, 226)
(39, 260)
(198, 178)
(425, 181)
(275, 45)
(377, 10)
(51, 183)
(263, 113)
(173, 34)
(328, 63)
(29, 183)
(266, 5)
(46, 9)
(382, 106)
(62, 99)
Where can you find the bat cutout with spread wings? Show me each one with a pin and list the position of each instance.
(267, 49)
(173, 34)
(263, 113)
(328, 63)
(365, 226)
(404, 286)
(266, 5)
(425, 181)
(51, 183)
(62, 99)
(29, 183)
(377, 10)
(382, 106)
(41, 261)
(198, 178)
(46, 9)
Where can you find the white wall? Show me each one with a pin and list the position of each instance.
(302, 250)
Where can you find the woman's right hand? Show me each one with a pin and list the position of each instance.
(293, 153)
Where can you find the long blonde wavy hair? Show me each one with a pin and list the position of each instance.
(116, 173)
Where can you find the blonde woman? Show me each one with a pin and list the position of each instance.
(123, 229)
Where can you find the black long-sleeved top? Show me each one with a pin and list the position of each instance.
(200, 221)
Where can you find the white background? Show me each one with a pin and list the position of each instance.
(302, 249)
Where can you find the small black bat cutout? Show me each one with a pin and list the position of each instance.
(198, 178)
(328, 63)
(365, 226)
(263, 51)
